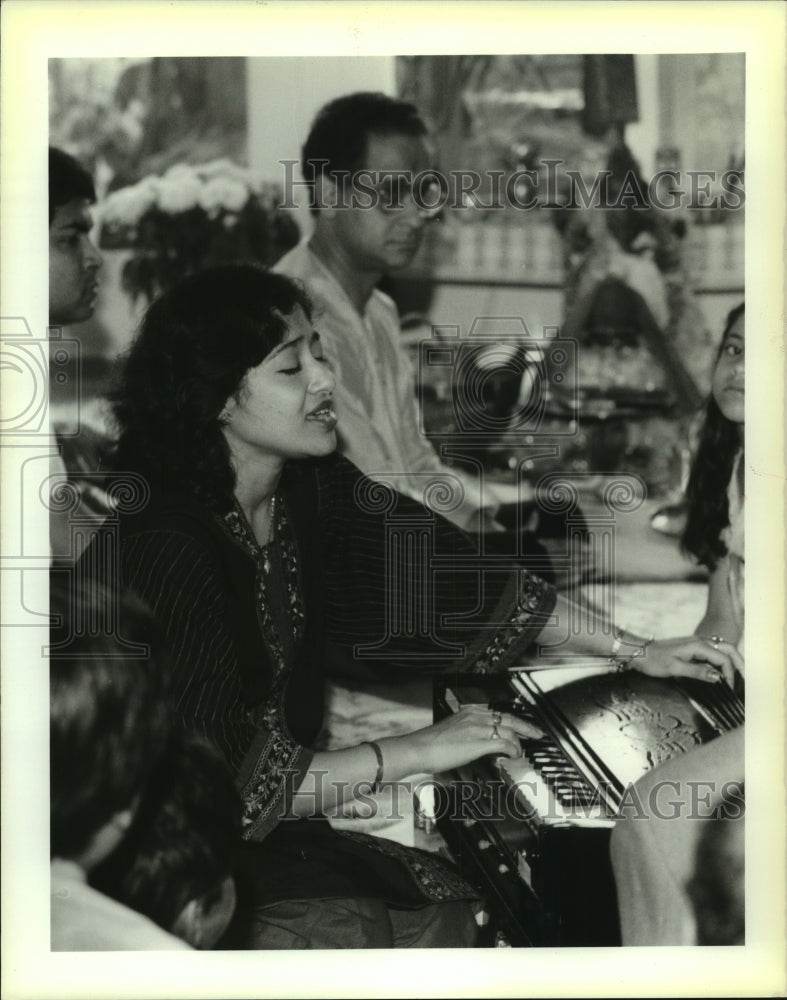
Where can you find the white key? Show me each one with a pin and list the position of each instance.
(533, 795)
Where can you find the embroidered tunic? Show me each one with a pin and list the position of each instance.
(248, 629)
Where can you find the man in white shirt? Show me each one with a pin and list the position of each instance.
(380, 141)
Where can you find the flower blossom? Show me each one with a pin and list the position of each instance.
(222, 168)
(127, 206)
(179, 190)
(223, 193)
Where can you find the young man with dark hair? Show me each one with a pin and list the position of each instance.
(175, 865)
(108, 728)
(73, 259)
(74, 263)
(375, 145)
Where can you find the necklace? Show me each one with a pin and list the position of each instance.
(266, 562)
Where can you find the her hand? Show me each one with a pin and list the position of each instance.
(472, 732)
(690, 657)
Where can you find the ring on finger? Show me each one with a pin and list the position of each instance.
(495, 732)
(497, 718)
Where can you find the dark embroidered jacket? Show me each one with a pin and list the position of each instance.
(379, 579)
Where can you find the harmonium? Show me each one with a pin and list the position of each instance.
(533, 833)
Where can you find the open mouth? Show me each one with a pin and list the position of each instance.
(323, 414)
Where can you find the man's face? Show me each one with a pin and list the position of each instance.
(381, 239)
(73, 264)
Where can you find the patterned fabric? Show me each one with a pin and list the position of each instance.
(175, 575)
(433, 878)
(277, 587)
(471, 616)
(526, 621)
(282, 622)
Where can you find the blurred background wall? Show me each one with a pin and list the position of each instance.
(187, 154)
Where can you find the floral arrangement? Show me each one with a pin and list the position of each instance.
(190, 218)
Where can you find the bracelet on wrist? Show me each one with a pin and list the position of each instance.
(623, 661)
(379, 756)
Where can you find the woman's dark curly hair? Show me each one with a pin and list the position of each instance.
(191, 354)
(706, 492)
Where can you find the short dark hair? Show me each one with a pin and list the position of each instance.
(191, 354)
(68, 179)
(340, 133)
(108, 720)
(183, 841)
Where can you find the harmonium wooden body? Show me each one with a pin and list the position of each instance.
(533, 833)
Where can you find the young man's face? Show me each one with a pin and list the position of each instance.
(73, 264)
(380, 238)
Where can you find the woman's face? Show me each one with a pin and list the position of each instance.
(728, 377)
(284, 407)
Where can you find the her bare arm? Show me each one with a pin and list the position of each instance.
(687, 656)
(719, 617)
(338, 775)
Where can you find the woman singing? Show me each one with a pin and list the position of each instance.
(257, 546)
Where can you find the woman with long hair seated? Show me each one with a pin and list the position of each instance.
(257, 546)
(714, 532)
(664, 880)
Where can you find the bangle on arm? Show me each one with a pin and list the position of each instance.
(379, 756)
(622, 662)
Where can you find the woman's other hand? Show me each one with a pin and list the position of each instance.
(692, 656)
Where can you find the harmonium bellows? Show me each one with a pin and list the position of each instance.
(533, 833)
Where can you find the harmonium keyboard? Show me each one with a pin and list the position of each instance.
(533, 833)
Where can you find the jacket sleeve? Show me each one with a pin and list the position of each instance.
(182, 582)
(404, 586)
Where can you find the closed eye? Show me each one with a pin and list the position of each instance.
(315, 346)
